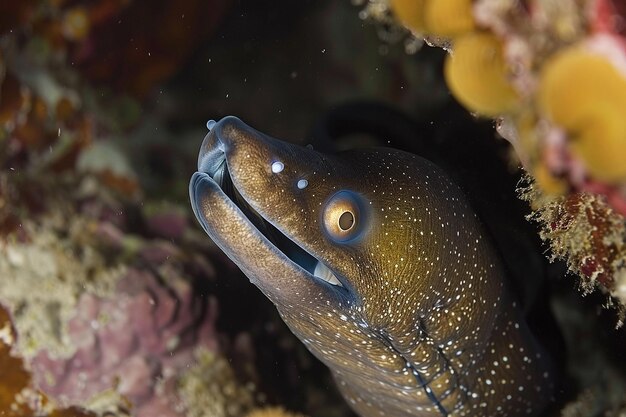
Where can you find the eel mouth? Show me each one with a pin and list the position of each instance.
(213, 167)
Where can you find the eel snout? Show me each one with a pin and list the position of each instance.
(238, 167)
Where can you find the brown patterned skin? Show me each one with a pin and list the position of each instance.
(415, 320)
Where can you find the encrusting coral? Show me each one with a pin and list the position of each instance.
(585, 232)
(113, 336)
(209, 388)
(146, 331)
(18, 396)
(42, 282)
(13, 377)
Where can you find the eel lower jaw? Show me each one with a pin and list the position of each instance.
(213, 168)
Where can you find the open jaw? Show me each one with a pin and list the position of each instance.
(213, 178)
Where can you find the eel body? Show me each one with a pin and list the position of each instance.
(377, 264)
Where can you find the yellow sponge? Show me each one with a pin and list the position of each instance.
(585, 94)
(477, 75)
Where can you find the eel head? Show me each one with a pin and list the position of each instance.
(372, 258)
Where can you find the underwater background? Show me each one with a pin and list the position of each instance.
(113, 301)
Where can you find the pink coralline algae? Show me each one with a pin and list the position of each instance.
(135, 344)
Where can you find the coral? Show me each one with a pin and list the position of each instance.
(446, 18)
(110, 321)
(519, 61)
(13, 377)
(209, 388)
(145, 332)
(108, 338)
(591, 113)
(18, 398)
(410, 13)
(42, 282)
(272, 412)
(48, 116)
(477, 74)
(587, 233)
(83, 32)
(449, 18)
(100, 290)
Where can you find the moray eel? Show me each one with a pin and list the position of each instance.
(377, 264)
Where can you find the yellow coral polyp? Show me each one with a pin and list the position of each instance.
(410, 13)
(447, 18)
(477, 75)
(585, 94)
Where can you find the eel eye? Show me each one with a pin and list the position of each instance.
(343, 216)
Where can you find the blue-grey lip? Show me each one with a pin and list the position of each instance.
(211, 156)
(213, 174)
(195, 186)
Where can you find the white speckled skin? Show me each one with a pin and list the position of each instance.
(422, 325)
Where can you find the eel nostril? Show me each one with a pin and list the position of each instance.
(277, 167)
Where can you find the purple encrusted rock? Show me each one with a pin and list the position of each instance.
(136, 343)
